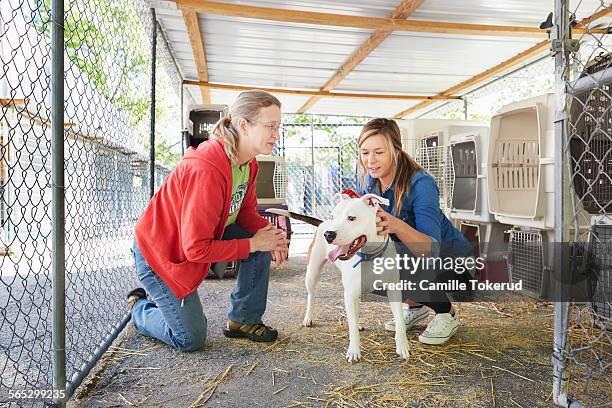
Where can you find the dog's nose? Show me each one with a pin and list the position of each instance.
(330, 236)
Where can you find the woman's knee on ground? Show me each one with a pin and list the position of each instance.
(193, 340)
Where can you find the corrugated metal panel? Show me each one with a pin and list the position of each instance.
(428, 63)
(290, 103)
(360, 107)
(274, 54)
(513, 13)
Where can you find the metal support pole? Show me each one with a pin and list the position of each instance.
(182, 121)
(58, 333)
(560, 33)
(312, 159)
(152, 136)
(465, 108)
(96, 356)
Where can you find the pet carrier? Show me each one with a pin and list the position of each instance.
(200, 121)
(521, 183)
(271, 180)
(271, 190)
(469, 199)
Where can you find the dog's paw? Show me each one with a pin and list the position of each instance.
(402, 348)
(307, 320)
(353, 354)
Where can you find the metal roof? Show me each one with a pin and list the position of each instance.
(273, 54)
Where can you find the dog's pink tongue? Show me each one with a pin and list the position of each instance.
(335, 253)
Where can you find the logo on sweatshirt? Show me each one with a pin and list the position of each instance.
(237, 197)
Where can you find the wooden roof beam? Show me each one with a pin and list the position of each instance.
(325, 94)
(402, 11)
(372, 23)
(499, 68)
(199, 51)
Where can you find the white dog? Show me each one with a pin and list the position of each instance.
(338, 240)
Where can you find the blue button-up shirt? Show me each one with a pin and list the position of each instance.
(421, 210)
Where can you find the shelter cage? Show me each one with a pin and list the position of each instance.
(600, 260)
(591, 139)
(590, 146)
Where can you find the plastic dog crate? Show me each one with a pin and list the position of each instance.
(591, 136)
(521, 150)
(200, 120)
(468, 154)
(434, 155)
(272, 180)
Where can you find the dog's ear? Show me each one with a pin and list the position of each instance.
(340, 197)
(374, 200)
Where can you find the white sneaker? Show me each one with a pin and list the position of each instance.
(441, 328)
(411, 317)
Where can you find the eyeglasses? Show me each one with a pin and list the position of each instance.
(270, 125)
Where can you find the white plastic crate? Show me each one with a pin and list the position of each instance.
(521, 151)
(468, 153)
(271, 180)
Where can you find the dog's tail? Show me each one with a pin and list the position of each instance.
(291, 214)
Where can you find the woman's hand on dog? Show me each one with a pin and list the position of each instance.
(386, 223)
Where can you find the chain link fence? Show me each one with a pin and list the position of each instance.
(583, 331)
(107, 52)
(321, 157)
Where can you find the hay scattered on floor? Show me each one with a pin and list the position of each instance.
(210, 388)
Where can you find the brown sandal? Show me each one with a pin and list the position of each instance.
(255, 332)
(135, 295)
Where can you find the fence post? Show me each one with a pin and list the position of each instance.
(182, 121)
(58, 201)
(559, 34)
(153, 75)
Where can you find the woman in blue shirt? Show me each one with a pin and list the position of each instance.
(415, 223)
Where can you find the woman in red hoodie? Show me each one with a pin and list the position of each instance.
(205, 212)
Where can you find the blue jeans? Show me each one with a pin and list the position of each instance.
(184, 326)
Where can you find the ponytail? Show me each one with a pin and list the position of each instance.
(246, 106)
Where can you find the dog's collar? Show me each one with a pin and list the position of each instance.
(364, 257)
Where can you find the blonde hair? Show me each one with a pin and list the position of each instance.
(246, 106)
(404, 166)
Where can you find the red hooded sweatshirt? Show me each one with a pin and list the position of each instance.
(180, 230)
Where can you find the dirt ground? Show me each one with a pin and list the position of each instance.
(501, 357)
